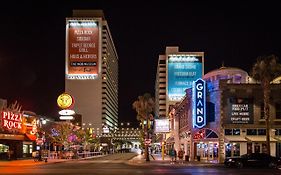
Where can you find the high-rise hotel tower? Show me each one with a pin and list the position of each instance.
(176, 72)
(92, 70)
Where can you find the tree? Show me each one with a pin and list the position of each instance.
(264, 71)
(65, 133)
(144, 107)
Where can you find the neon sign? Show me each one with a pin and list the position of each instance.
(199, 103)
(11, 120)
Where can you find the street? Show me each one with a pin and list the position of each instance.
(119, 164)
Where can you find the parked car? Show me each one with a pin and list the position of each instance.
(253, 160)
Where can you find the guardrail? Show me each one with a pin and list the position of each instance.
(72, 155)
(88, 154)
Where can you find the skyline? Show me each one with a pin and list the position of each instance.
(32, 46)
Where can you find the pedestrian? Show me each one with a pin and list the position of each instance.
(172, 155)
(180, 155)
(175, 155)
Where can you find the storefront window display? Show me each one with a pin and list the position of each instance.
(232, 149)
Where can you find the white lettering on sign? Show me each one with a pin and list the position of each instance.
(199, 101)
(11, 120)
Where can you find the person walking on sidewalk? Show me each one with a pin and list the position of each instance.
(180, 156)
(172, 154)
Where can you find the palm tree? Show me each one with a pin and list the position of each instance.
(144, 106)
(265, 70)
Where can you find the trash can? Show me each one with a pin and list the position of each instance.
(186, 158)
(198, 158)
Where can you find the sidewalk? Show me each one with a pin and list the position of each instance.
(30, 162)
(157, 159)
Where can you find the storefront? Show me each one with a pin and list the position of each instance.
(205, 144)
(17, 136)
(234, 123)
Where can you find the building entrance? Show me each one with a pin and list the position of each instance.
(205, 145)
(206, 150)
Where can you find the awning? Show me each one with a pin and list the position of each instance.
(31, 137)
(235, 139)
(259, 139)
(278, 138)
(11, 137)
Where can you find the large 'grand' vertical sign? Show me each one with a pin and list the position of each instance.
(199, 103)
(82, 48)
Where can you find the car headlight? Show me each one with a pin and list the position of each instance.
(229, 160)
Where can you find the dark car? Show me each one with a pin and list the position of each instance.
(253, 160)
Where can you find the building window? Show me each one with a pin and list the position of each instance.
(162, 62)
(262, 111)
(228, 131)
(251, 132)
(232, 131)
(261, 132)
(278, 110)
(236, 132)
(236, 149)
(210, 112)
(278, 132)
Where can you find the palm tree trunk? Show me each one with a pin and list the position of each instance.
(267, 115)
(147, 137)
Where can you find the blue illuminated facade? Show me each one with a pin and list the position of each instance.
(182, 71)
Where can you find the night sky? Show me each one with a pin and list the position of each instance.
(32, 43)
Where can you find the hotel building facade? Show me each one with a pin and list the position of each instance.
(92, 70)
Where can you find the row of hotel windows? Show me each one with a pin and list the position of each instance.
(250, 132)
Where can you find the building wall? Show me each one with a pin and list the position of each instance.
(218, 92)
(97, 99)
(161, 82)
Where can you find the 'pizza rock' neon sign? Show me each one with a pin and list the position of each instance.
(199, 103)
(11, 120)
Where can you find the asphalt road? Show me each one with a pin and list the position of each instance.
(119, 165)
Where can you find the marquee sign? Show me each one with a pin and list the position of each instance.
(162, 125)
(65, 101)
(11, 120)
(199, 103)
(183, 69)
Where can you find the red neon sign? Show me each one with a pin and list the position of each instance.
(11, 120)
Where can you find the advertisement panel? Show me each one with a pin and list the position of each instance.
(182, 71)
(82, 48)
(240, 111)
(162, 125)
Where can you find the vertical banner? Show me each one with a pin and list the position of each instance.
(182, 71)
(199, 103)
(82, 52)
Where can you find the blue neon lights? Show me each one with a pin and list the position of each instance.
(199, 103)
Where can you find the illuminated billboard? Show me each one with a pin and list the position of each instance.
(182, 71)
(82, 48)
(162, 125)
(199, 103)
(240, 111)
